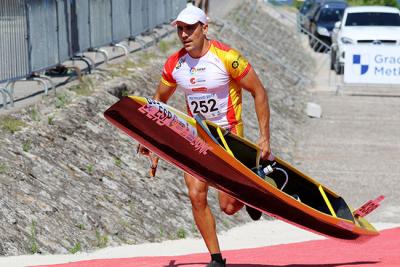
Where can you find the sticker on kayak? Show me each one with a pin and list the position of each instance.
(368, 207)
(158, 113)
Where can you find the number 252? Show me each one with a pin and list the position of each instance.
(204, 106)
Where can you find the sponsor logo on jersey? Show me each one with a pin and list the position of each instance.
(195, 70)
(179, 63)
(193, 80)
(199, 89)
(235, 64)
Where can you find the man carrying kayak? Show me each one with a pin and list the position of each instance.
(212, 75)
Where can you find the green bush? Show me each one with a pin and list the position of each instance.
(3, 168)
(76, 248)
(11, 124)
(181, 234)
(392, 3)
(62, 100)
(102, 240)
(297, 4)
(27, 145)
(33, 239)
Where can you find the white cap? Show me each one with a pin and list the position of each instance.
(191, 15)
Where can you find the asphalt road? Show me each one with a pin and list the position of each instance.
(355, 147)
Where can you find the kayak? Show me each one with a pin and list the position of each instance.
(232, 164)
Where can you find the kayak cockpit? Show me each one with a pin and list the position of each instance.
(289, 180)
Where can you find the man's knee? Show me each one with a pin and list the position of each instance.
(231, 207)
(198, 198)
(197, 192)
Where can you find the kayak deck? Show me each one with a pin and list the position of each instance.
(291, 181)
(227, 162)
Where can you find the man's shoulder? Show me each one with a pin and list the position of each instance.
(173, 60)
(236, 65)
(220, 45)
(225, 52)
(177, 55)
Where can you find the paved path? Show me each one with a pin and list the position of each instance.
(257, 244)
(380, 251)
(355, 147)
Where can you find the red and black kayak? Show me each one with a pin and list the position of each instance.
(232, 164)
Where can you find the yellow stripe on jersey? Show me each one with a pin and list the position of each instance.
(237, 67)
(236, 64)
(215, 75)
(167, 83)
(235, 94)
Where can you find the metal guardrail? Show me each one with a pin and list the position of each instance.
(40, 34)
(315, 43)
(273, 55)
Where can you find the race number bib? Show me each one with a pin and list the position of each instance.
(206, 104)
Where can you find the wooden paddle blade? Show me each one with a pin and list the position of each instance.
(154, 164)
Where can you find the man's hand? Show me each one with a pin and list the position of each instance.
(263, 143)
(253, 84)
(153, 159)
(163, 93)
(142, 150)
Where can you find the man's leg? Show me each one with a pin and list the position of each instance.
(206, 7)
(228, 204)
(202, 213)
(199, 3)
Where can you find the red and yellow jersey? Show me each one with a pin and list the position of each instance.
(210, 83)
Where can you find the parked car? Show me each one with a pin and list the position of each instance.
(305, 8)
(364, 25)
(323, 21)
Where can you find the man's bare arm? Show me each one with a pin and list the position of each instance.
(163, 92)
(252, 83)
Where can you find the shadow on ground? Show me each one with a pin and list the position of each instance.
(173, 263)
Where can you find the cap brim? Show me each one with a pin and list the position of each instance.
(186, 20)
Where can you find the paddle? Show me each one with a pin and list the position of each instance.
(152, 157)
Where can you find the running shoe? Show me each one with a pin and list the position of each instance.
(254, 214)
(217, 264)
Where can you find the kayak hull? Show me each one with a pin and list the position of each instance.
(189, 145)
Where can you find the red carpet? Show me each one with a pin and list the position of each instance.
(383, 250)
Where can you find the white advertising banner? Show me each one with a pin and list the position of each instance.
(378, 64)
